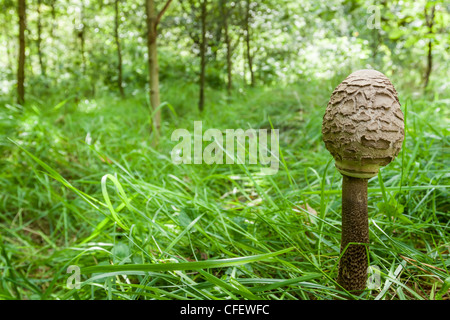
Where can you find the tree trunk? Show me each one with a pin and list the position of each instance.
(153, 66)
(228, 45)
(430, 22)
(247, 41)
(429, 64)
(53, 13)
(21, 62)
(152, 33)
(81, 35)
(39, 39)
(201, 102)
(119, 52)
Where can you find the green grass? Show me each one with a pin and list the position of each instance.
(81, 185)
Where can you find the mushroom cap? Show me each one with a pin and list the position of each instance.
(363, 126)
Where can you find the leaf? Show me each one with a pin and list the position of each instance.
(186, 216)
(182, 266)
(393, 209)
(444, 290)
(312, 214)
(121, 253)
(62, 103)
(235, 287)
(122, 194)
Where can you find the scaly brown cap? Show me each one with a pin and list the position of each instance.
(363, 126)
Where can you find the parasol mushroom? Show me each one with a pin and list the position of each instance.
(363, 129)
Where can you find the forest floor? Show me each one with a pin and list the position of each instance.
(82, 185)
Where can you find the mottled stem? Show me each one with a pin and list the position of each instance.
(355, 229)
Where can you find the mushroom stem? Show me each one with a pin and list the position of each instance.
(355, 229)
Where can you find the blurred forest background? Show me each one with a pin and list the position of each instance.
(91, 90)
(85, 48)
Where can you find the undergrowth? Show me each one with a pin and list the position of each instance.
(82, 185)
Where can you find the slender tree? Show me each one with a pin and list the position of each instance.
(53, 13)
(198, 10)
(21, 62)
(229, 62)
(153, 20)
(39, 38)
(226, 13)
(248, 42)
(429, 19)
(82, 36)
(119, 51)
(201, 100)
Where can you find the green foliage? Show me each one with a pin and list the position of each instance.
(81, 183)
(289, 42)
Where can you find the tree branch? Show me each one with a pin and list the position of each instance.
(161, 13)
